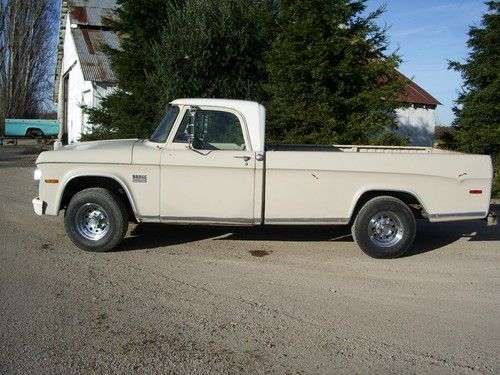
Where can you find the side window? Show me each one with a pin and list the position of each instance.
(214, 130)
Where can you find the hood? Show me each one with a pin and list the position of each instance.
(103, 152)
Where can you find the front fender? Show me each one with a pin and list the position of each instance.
(72, 175)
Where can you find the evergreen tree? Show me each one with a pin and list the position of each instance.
(197, 48)
(331, 79)
(134, 107)
(477, 109)
(214, 49)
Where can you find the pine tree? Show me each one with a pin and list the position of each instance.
(331, 79)
(214, 49)
(194, 48)
(133, 109)
(477, 109)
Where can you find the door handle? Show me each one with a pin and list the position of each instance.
(245, 158)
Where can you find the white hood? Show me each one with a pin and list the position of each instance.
(103, 152)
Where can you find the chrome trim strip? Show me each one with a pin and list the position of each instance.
(242, 220)
(457, 214)
(203, 219)
(148, 219)
(298, 220)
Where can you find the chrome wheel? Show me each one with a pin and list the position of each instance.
(385, 229)
(92, 221)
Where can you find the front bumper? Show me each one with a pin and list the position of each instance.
(38, 206)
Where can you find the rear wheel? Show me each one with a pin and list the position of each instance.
(384, 227)
(96, 220)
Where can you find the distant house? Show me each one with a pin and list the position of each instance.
(83, 74)
(418, 121)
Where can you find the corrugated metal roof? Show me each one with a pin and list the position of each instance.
(90, 34)
(89, 46)
(93, 3)
(90, 16)
(414, 94)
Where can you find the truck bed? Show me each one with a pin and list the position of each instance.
(323, 183)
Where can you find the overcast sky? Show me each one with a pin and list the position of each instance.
(428, 33)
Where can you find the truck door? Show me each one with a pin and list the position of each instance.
(213, 180)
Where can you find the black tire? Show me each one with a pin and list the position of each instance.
(385, 227)
(96, 220)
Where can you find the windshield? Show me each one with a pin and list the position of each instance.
(163, 130)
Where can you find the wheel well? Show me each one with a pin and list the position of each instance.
(409, 199)
(29, 130)
(81, 183)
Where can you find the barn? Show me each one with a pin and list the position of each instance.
(84, 75)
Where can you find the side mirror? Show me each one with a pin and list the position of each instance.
(190, 126)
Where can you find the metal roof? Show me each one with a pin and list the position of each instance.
(89, 45)
(91, 12)
(414, 94)
(90, 33)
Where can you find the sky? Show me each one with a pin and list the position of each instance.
(428, 33)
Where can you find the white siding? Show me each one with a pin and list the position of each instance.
(418, 124)
(78, 88)
(80, 92)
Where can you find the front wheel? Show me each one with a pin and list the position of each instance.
(384, 228)
(96, 220)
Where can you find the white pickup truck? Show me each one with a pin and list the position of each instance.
(206, 163)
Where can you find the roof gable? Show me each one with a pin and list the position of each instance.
(414, 94)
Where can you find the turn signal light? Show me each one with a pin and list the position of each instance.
(475, 191)
(51, 180)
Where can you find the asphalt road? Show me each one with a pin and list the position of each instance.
(203, 300)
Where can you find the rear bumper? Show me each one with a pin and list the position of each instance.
(38, 206)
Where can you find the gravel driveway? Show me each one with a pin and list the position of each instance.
(201, 300)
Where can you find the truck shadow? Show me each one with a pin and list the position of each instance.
(433, 236)
(429, 237)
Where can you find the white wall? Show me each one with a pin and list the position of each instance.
(79, 90)
(418, 124)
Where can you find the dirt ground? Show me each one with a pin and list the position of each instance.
(198, 300)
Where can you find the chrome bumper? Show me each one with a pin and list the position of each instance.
(38, 206)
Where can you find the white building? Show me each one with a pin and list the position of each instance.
(418, 121)
(83, 73)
